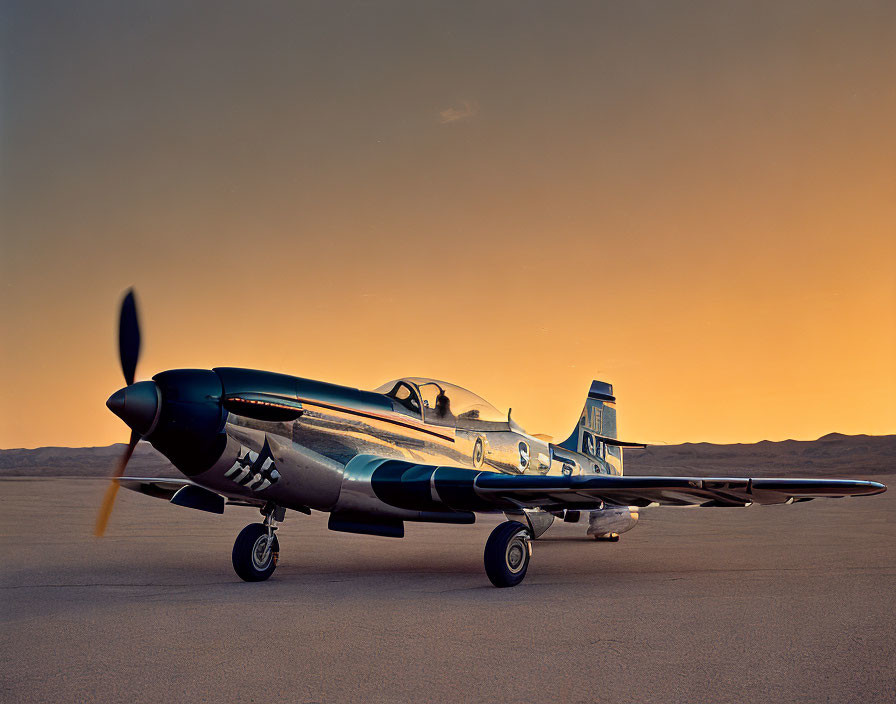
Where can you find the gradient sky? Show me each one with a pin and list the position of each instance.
(695, 201)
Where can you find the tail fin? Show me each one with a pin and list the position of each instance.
(595, 433)
(598, 418)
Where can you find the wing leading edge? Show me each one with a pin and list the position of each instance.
(425, 487)
(673, 491)
(167, 488)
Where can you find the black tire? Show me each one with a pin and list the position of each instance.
(248, 551)
(608, 538)
(507, 554)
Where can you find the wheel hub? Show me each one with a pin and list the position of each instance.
(262, 553)
(517, 551)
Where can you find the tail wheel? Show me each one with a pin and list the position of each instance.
(507, 554)
(255, 554)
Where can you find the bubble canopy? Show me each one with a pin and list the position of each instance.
(462, 404)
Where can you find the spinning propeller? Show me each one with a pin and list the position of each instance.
(130, 403)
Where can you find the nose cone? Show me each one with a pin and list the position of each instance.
(137, 405)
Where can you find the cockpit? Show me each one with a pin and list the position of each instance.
(439, 402)
(406, 395)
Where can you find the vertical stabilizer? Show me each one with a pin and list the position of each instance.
(597, 425)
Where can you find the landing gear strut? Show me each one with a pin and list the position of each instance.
(507, 554)
(257, 549)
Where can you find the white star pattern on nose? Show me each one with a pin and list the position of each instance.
(253, 471)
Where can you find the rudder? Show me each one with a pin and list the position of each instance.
(595, 433)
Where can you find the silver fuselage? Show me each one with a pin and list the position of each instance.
(324, 457)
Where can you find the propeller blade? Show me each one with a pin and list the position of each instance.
(109, 499)
(129, 337)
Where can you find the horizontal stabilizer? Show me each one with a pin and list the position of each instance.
(620, 443)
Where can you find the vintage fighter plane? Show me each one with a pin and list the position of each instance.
(413, 449)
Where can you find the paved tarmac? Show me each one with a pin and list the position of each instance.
(772, 604)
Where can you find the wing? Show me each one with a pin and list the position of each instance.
(166, 488)
(159, 487)
(425, 487)
(667, 491)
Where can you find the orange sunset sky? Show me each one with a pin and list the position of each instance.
(695, 201)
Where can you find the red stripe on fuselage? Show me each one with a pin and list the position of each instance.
(376, 416)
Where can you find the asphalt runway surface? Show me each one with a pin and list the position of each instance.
(779, 603)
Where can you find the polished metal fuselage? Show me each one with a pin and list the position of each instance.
(324, 459)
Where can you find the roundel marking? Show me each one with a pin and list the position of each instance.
(524, 455)
(478, 453)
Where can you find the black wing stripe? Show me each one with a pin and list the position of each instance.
(426, 487)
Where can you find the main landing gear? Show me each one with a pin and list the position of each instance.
(507, 553)
(257, 549)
